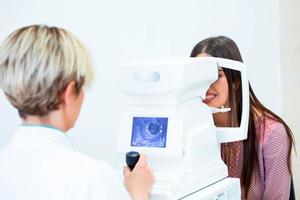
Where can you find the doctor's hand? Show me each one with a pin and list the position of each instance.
(139, 181)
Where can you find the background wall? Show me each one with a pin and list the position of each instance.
(290, 59)
(121, 31)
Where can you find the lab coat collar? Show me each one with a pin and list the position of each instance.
(40, 135)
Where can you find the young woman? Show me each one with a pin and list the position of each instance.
(263, 160)
(42, 72)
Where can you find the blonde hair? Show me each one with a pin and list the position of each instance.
(37, 63)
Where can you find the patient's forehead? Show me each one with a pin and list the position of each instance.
(204, 55)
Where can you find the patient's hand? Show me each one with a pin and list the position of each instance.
(139, 181)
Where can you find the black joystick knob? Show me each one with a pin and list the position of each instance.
(132, 158)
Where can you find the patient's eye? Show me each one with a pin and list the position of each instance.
(221, 73)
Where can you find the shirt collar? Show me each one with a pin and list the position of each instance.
(41, 134)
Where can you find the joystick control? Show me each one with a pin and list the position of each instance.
(132, 158)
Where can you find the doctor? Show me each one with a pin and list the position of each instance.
(42, 73)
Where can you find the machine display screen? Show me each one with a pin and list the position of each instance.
(149, 132)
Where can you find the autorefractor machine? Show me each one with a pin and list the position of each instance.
(166, 120)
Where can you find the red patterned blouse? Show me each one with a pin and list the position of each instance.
(272, 179)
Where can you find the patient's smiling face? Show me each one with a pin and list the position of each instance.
(217, 94)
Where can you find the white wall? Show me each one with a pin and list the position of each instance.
(290, 51)
(121, 31)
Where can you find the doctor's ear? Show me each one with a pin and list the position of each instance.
(70, 93)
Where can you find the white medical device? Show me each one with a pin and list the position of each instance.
(166, 120)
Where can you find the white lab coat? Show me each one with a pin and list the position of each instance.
(40, 164)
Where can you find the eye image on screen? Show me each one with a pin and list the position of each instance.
(149, 132)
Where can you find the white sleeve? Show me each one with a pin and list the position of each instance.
(106, 184)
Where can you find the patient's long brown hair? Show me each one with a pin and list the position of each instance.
(224, 47)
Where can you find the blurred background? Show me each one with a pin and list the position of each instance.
(117, 32)
(290, 69)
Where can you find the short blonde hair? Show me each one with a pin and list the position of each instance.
(37, 62)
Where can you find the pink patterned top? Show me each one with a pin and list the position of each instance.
(272, 178)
